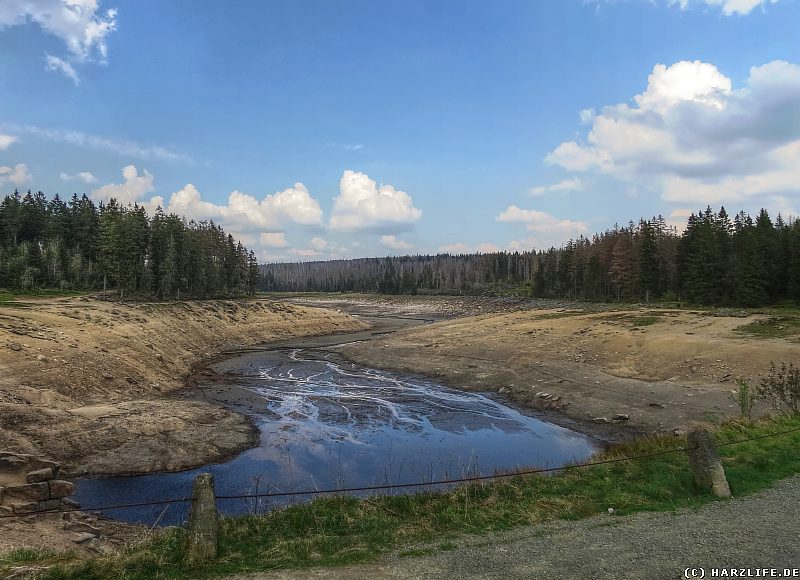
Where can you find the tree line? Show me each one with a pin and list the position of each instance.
(716, 260)
(79, 245)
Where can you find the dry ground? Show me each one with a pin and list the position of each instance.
(661, 368)
(90, 383)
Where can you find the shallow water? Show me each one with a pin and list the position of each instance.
(326, 425)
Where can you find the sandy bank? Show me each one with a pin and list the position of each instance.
(615, 373)
(95, 385)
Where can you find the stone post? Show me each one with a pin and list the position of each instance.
(705, 463)
(201, 544)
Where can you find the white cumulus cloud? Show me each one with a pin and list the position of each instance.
(246, 212)
(362, 205)
(133, 188)
(273, 239)
(17, 175)
(570, 184)
(7, 141)
(394, 243)
(695, 138)
(84, 176)
(81, 24)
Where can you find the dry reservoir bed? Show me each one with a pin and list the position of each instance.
(617, 372)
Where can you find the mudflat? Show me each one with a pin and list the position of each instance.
(614, 372)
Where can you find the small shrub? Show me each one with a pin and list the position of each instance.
(745, 397)
(781, 388)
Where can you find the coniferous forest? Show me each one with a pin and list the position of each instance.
(78, 245)
(716, 260)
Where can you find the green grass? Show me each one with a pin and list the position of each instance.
(342, 530)
(773, 327)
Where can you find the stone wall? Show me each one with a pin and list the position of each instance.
(29, 485)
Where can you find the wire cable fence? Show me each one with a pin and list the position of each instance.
(431, 483)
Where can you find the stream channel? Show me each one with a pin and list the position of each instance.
(326, 423)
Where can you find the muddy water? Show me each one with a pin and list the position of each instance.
(327, 424)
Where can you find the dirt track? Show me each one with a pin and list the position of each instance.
(756, 532)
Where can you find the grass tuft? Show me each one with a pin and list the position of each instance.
(344, 530)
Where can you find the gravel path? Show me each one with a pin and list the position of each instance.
(760, 531)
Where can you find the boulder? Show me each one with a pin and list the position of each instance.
(60, 488)
(40, 475)
(83, 538)
(49, 505)
(31, 492)
(203, 526)
(705, 463)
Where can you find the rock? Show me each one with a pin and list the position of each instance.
(98, 546)
(40, 475)
(70, 504)
(82, 527)
(31, 492)
(502, 390)
(15, 346)
(159, 357)
(658, 405)
(11, 464)
(705, 463)
(692, 369)
(60, 488)
(83, 537)
(49, 505)
(621, 417)
(25, 508)
(600, 420)
(203, 522)
(42, 358)
(108, 376)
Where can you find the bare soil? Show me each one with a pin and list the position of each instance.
(616, 373)
(95, 385)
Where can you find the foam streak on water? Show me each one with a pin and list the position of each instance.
(330, 425)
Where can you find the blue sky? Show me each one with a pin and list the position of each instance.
(319, 129)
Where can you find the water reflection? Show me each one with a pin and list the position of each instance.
(329, 425)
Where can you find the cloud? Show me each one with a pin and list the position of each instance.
(84, 176)
(539, 221)
(59, 65)
(318, 244)
(273, 240)
(346, 146)
(122, 147)
(548, 230)
(393, 243)
(7, 141)
(132, 190)
(693, 137)
(81, 24)
(18, 175)
(729, 7)
(571, 184)
(246, 213)
(362, 205)
(462, 248)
